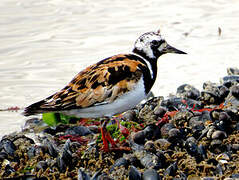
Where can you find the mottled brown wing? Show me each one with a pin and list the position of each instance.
(100, 83)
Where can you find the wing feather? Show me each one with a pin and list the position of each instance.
(98, 84)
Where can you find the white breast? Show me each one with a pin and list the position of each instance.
(125, 102)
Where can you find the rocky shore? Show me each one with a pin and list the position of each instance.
(190, 135)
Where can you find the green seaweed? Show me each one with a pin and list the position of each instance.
(50, 119)
(53, 119)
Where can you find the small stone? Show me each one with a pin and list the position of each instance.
(188, 91)
(192, 139)
(217, 146)
(165, 129)
(129, 115)
(181, 118)
(139, 137)
(160, 111)
(219, 135)
(195, 122)
(223, 92)
(174, 133)
(210, 97)
(152, 132)
(235, 91)
(223, 116)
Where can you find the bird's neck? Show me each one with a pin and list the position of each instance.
(150, 73)
(151, 62)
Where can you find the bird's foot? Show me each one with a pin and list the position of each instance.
(107, 139)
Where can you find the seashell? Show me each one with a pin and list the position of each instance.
(152, 132)
(8, 146)
(235, 91)
(230, 80)
(219, 135)
(78, 130)
(129, 115)
(82, 175)
(181, 118)
(160, 111)
(223, 92)
(8, 170)
(102, 176)
(134, 174)
(219, 170)
(174, 133)
(194, 150)
(188, 91)
(3, 155)
(165, 129)
(119, 162)
(173, 103)
(65, 159)
(163, 144)
(51, 147)
(223, 156)
(171, 170)
(139, 137)
(151, 174)
(149, 146)
(149, 160)
(41, 165)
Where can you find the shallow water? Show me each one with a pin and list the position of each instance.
(45, 43)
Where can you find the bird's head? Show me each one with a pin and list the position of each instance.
(152, 45)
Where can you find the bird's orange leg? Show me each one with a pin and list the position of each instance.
(106, 136)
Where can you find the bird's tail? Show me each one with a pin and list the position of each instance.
(36, 108)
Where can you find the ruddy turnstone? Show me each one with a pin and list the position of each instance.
(111, 86)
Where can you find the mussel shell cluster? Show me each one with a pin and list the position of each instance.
(192, 134)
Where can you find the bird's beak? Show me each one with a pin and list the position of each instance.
(170, 49)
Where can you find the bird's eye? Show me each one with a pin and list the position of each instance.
(155, 43)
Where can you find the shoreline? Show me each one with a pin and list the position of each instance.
(192, 134)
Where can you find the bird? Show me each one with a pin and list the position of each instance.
(110, 86)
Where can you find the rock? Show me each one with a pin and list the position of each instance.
(188, 91)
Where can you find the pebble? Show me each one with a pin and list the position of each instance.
(219, 135)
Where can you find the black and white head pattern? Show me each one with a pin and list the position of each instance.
(151, 44)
